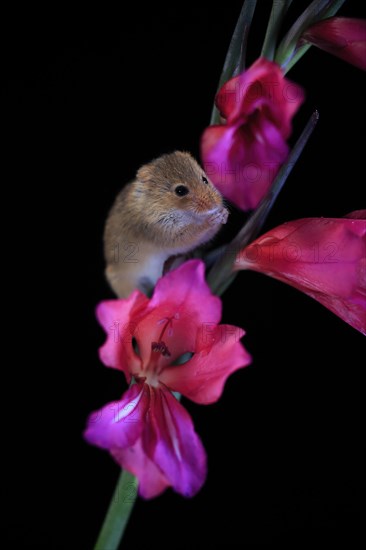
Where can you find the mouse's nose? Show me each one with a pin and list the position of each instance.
(202, 206)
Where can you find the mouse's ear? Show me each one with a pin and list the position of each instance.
(143, 174)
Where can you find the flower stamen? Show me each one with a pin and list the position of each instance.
(160, 347)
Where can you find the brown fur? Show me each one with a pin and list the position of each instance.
(150, 218)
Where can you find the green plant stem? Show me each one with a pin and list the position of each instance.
(278, 12)
(222, 275)
(118, 513)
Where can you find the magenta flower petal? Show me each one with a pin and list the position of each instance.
(152, 481)
(219, 353)
(182, 301)
(255, 161)
(186, 289)
(261, 87)
(243, 155)
(120, 423)
(117, 319)
(323, 257)
(173, 445)
(148, 432)
(342, 37)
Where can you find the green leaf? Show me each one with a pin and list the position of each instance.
(299, 52)
(235, 57)
(278, 12)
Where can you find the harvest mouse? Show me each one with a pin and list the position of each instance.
(170, 208)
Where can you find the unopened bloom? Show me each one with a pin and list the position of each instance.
(323, 257)
(148, 431)
(340, 36)
(243, 155)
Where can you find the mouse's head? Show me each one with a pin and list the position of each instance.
(176, 182)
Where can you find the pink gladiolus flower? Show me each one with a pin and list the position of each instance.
(243, 156)
(323, 257)
(149, 432)
(340, 36)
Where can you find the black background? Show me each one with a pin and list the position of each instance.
(87, 100)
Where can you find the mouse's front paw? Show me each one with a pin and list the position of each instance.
(219, 216)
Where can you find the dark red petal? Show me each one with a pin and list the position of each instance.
(342, 37)
(243, 156)
(227, 97)
(357, 215)
(323, 257)
(263, 85)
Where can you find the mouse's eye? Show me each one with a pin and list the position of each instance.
(181, 190)
(204, 179)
